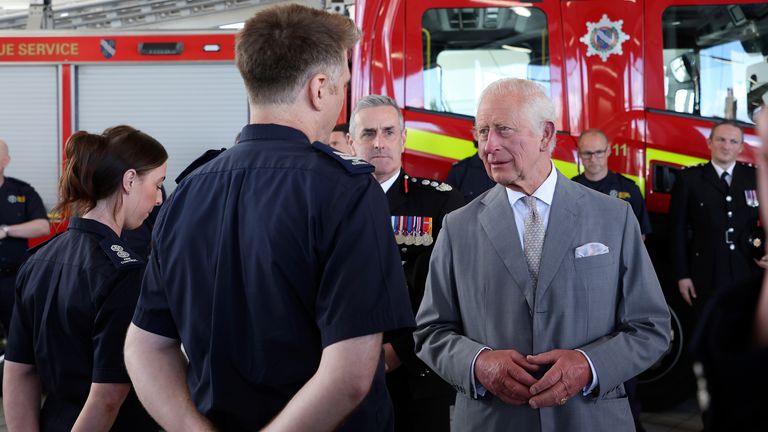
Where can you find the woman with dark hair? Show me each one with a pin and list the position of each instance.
(76, 294)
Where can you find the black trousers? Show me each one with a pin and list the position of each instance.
(428, 413)
(7, 298)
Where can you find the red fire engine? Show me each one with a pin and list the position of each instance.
(655, 75)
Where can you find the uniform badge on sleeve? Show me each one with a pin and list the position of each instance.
(119, 255)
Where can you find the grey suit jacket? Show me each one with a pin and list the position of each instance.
(479, 294)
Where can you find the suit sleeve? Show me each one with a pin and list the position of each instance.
(439, 337)
(642, 331)
(678, 208)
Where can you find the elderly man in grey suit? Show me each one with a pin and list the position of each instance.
(541, 299)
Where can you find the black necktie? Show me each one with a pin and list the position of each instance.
(724, 179)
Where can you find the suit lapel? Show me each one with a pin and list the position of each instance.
(498, 222)
(560, 232)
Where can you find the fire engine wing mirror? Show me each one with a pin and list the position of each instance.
(681, 69)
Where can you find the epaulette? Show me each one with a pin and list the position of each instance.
(626, 178)
(197, 163)
(352, 164)
(746, 164)
(429, 184)
(39, 246)
(119, 254)
(701, 165)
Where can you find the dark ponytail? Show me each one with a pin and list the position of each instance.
(95, 165)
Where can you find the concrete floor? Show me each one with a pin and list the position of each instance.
(683, 418)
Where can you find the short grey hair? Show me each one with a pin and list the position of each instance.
(373, 101)
(538, 107)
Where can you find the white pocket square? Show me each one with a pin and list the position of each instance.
(591, 249)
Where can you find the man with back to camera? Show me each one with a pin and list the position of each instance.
(716, 239)
(594, 150)
(274, 263)
(377, 132)
(541, 300)
(22, 217)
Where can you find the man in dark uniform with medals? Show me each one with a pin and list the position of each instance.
(273, 264)
(594, 150)
(22, 217)
(716, 239)
(421, 398)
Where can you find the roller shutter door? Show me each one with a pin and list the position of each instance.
(188, 107)
(29, 124)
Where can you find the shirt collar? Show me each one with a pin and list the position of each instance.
(720, 170)
(272, 132)
(544, 193)
(389, 182)
(92, 226)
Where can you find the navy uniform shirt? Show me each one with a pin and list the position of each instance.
(618, 186)
(19, 203)
(470, 177)
(265, 255)
(75, 298)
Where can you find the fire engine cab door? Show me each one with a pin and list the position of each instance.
(455, 48)
(29, 123)
(188, 107)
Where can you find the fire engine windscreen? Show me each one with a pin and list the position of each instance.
(468, 48)
(715, 60)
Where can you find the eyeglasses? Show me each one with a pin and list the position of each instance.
(590, 154)
(481, 134)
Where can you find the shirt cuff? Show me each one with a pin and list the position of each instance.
(477, 387)
(587, 390)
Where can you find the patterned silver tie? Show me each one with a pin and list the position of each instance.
(533, 238)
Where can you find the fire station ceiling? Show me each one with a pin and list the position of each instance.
(134, 14)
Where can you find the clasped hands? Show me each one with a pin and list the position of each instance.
(507, 375)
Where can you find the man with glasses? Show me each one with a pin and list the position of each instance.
(417, 206)
(594, 150)
(715, 230)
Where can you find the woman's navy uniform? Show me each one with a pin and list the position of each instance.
(74, 300)
(264, 256)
